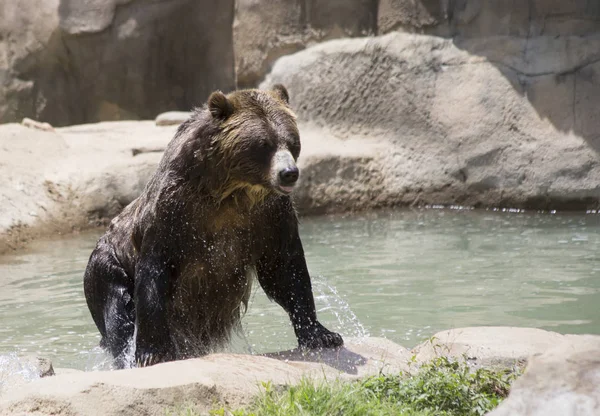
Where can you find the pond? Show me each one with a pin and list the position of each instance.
(403, 275)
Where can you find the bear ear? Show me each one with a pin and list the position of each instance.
(281, 92)
(219, 106)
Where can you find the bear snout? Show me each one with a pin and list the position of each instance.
(288, 176)
(285, 173)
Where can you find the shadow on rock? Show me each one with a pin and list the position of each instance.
(341, 359)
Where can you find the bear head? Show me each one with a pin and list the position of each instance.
(257, 143)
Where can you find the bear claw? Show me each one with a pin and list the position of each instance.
(320, 337)
(148, 359)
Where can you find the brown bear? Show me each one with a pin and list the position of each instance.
(173, 273)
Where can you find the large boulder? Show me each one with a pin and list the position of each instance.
(265, 30)
(72, 177)
(510, 122)
(488, 346)
(562, 372)
(203, 383)
(564, 381)
(68, 62)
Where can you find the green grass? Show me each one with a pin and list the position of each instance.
(442, 388)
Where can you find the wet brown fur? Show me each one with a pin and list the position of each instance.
(211, 212)
(227, 204)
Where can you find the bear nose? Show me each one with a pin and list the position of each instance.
(289, 176)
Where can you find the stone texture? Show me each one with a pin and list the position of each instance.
(27, 122)
(72, 177)
(265, 30)
(69, 61)
(337, 175)
(561, 378)
(478, 18)
(172, 117)
(218, 379)
(462, 123)
(407, 15)
(563, 381)
(486, 346)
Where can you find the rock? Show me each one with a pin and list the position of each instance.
(337, 175)
(218, 379)
(360, 357)
(73, 177)
(407, 15)
(69, 62)
(27, 122)
(488, 346)
(478, 18)
(563, 381)
(265, 30)
(59, 371)
(45, 367)
(521, 137)
(172, 117)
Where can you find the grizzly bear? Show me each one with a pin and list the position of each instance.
(172, 275)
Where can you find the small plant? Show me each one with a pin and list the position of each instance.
(442, 387)
(446, 387)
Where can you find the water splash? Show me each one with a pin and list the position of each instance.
(347, 321)
(98, 359)
(14, 370)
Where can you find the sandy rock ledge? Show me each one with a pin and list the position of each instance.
(218, 379)
(562, 376)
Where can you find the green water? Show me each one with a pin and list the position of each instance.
(403, 275)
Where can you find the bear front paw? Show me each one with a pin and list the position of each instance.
(319, 337)
(145, 357)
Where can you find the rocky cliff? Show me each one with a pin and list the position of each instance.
(69, 62)
(268, 29)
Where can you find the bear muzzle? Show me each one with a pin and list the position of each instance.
(285, 171)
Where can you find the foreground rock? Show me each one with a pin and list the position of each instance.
(489, 346)
(70, 62)
(219, 379)
(562, 375)
(564, 381)
(506, 121)
(78, 177)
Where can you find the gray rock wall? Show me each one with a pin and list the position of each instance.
(265, 30)
(268, 29)
(479, 18)
(70, 61)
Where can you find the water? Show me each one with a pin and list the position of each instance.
(403, 275)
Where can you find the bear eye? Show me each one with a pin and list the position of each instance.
(264, 144)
